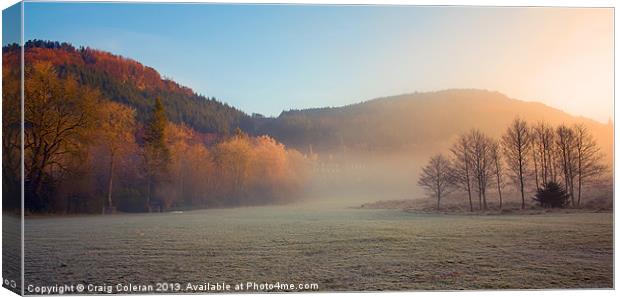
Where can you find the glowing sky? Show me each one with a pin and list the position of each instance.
(269, 58)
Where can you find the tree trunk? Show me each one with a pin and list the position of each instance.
(499, 184)
(565, 171)
(572, 188)
(483, 193)
(552, 168)
(579, 192)
(471, 204)
(499, 191)
(536, 170)
(110, 177)
(579, 181)
(148, 194)
(521, 183)
(545, 165)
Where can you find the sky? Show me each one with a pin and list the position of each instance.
(269, 58)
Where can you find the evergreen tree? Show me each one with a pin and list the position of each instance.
(156, 152)
(552, 195)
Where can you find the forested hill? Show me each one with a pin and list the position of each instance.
(417, 121)
(127, 81)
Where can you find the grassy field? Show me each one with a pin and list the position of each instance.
(339, 249)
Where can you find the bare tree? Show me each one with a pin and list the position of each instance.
(461, 166)
(481, 162)
(543, 146)
(436, 177)
(496, 158)
(566, 147)
(589, 158)
(535, 160)
(515, 143)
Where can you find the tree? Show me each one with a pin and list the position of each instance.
(551, 195)
(116, 134)
(589, 158)
(436, 177)
(480, 146)
(565, 142)
(58, 115)
(79, 145)
(496, 159)
(156, 153)
(270, 168)
(191, 168)
(535, 160)
(516, 145)
(11, 132)
(543, 146)
(461, 166)
(233, 159)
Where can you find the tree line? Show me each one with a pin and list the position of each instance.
(527, 156)
(84, 153)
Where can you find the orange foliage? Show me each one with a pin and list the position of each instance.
(121, 68)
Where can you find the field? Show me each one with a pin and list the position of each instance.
(338, 249)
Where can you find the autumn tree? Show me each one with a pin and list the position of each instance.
(80, 148)
(191, 168)
(461, 166)
(233, 159)
(271, 167)
(516, 146)
(58, 114)
(436, 177)
(11, 132)
(156, 153)
(116, 129)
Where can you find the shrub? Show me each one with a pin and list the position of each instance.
(551, 195)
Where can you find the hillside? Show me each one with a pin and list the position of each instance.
(419, 121)
(415, 121)
(129, 82)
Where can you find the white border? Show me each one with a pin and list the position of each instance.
(536, 3)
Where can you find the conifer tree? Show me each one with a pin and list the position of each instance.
(156, 151)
